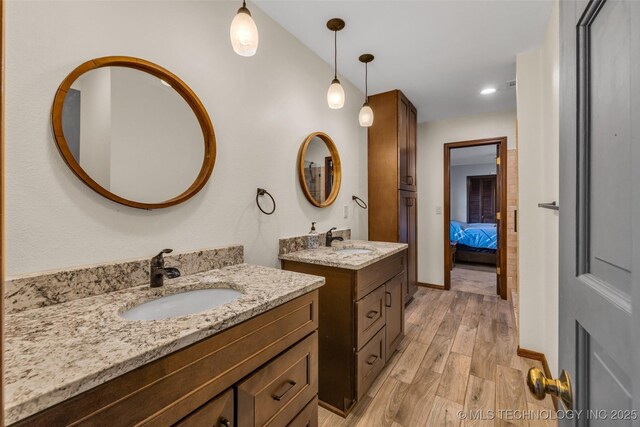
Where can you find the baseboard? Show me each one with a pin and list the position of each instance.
(540, 357)
(430, 285)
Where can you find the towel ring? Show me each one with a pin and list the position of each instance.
(359, 202)
(262, 192)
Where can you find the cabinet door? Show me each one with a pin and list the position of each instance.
(409, 234)
(394, 306)
(407, 122)
(218, 412)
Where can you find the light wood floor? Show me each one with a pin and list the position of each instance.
(475, 279)
(459, 354)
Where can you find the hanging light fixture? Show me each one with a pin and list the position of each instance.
(244, 33)
(335, 95)
(366, 113)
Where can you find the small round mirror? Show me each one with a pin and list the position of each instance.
(133, 132)
(319, 169)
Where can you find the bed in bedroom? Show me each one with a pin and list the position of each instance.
(474, 242)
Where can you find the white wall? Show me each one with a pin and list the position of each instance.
(459, 176)
(262, 108)
(431, 138)
(538, 166)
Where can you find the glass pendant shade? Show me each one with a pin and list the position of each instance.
(335, 95)
(244, 33)
(366, 116)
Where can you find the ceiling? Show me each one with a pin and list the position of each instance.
(479, 155)
(439, 53)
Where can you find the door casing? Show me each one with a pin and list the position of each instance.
(501, 197)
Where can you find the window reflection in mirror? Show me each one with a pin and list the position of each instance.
(319, 169)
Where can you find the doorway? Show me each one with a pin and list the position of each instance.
(475, 183)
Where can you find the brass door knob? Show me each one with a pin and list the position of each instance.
(540, 385)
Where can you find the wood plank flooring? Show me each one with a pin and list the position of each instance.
(459, 354)
(478, 279)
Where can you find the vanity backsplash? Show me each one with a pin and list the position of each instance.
(54, 287)
(301, 243)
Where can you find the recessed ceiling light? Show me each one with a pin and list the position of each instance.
(488, 91)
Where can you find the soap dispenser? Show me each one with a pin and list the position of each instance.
(313, 238)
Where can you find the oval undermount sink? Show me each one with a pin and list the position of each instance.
(182, 304)
(354, 251)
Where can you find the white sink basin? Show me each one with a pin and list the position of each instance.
(354, 251)
(182, 304)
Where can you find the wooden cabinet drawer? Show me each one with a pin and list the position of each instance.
(218, 412)
(277, 392)
(370, 277)
(370, 316)
(369, 361)
(308, 417)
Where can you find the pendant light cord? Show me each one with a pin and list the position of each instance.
(335, 55)
(366, 82)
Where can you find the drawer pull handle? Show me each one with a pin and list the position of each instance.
(409, 180)
(372, 359)
(388, 304)
(224, 422)
(372, 314)
(289, 386)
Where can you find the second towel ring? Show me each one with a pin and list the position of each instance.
(262, 192)
(360, 202)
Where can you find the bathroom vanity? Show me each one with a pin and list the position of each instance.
(250, 362)
(361, 319)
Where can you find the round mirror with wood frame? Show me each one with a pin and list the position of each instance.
(321, 184)
(168, 169)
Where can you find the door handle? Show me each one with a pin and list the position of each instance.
(540, 386)
(388, 304)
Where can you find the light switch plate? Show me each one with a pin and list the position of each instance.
(438, 210)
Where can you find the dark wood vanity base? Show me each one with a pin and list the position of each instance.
(361, 324)
(262, 372)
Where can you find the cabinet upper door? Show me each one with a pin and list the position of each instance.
(407, 133)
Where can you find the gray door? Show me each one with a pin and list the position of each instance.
(600, 207)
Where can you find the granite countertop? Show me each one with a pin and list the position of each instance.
(332, 257)
(56, 352)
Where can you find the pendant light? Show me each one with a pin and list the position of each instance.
(244, 33)
(366, 113)
(335, 95)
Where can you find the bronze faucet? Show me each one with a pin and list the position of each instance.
(159, 271)
(330, 237)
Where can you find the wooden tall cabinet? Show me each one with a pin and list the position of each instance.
(392, 177)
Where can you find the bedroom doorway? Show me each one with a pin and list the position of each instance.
(475, 183)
